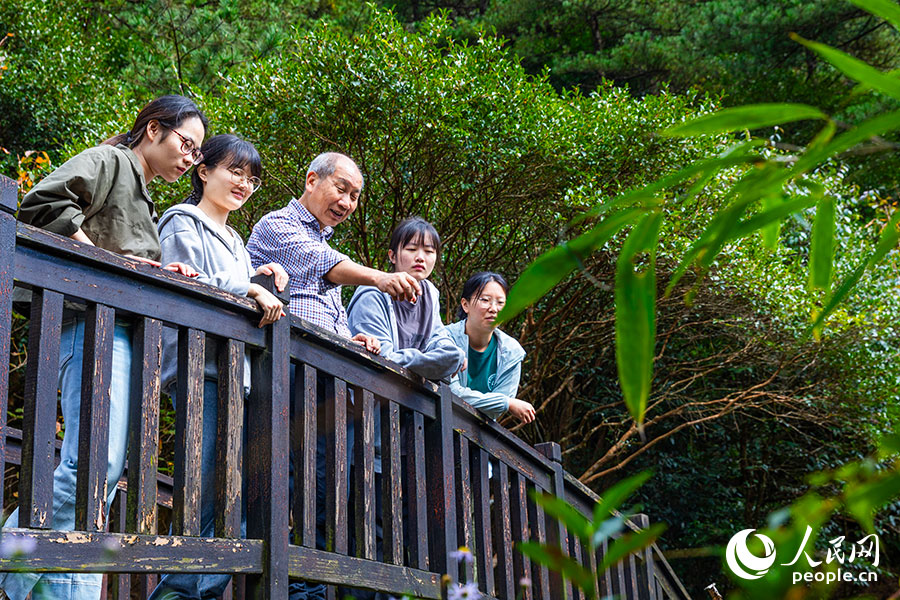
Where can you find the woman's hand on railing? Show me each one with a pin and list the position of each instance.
(521, 410)
(271, 307)
(277, 271)
(184, 269)
(369, 342)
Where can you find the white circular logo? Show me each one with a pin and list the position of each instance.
(739, 557)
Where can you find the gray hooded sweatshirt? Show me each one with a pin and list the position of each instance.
(509, 370)
(371, 312)
(188, 235)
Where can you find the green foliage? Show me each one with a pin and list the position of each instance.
(607, 524)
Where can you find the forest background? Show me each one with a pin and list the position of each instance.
(501, 121)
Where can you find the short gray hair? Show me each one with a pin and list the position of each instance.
(324, 164)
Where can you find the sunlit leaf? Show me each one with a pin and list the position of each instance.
(769, 231)
(854, 68)
(863, 499)
(886, 9)
(636, 315)
(821, 252)
(889, 238)
(739, 118)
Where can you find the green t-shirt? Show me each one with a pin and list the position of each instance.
(482, 367)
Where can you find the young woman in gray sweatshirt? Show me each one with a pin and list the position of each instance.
(197, 233)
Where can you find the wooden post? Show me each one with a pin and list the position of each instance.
(556, 531)
(648, 577)
(9, 192)
(267, 462)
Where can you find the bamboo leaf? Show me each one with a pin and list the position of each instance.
(554, 558)
(821, 253)
(613, 498)
(554, 265)
(886, 9)
(630, 543)
(769, 230)
(854, 68)
(889, 238)
(636, 315)
(863, 499)
(564, 512)
(740, 118)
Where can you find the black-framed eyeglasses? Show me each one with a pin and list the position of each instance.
(238, 177)
(189, 147)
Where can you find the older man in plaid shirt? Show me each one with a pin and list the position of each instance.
(296, 237)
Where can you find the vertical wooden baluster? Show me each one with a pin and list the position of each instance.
(229, 442)
(606, 583)
(415, 492)
(391, 482)
(648, 568)
(93, 435)
(518, 504)
(188, 432)
(465, 524)
(121, 582)
(541, 580)
(267, 462)
(441, 485)
(39, 412)
(502, 531)
(336, 466)
(305, 380)
(481, 500)
(364, 472)
(143, 450)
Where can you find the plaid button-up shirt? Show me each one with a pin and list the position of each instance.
(292, 238)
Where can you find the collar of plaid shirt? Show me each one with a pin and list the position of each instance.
(307, 218)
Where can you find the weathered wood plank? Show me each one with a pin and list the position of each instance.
(317, 565)
(120, 582)
(441, 484)
(391, 482)
(188, 432)
(503, 573)
(481, 500)
(417, 539)
(364, 470)
(336, 492)
(304, 449)
(93, 435)
(386, 384)
(229, 442)
(518, 509)
(79, 551)
(39, 413)
(464, 519)
(267, 462)
(8, 202)
(144, 424)
(536, 516)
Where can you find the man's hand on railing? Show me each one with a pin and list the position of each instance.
(369, 342)
(521, 410)
(277, 271)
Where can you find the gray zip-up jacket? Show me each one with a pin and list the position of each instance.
(509, 370)
(371, 312)
(188, 235)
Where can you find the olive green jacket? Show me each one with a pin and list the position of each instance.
(102, 192)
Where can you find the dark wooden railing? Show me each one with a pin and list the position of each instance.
(449, 477)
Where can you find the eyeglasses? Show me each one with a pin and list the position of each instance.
(485, 302)
(189, 147)
(238, 177)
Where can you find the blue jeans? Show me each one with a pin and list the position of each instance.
(79, 586)
(190, 585)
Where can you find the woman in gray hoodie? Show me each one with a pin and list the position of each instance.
(196, 232)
